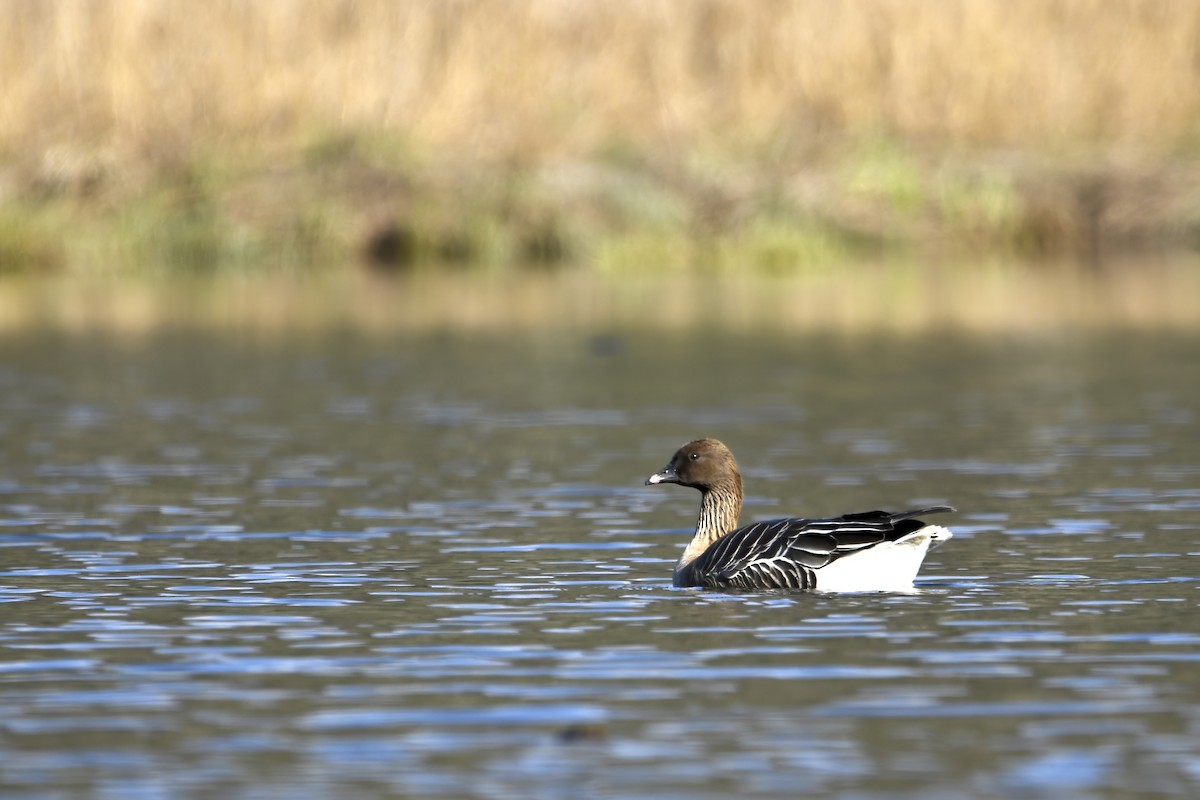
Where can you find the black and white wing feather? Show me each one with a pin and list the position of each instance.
(788, 553)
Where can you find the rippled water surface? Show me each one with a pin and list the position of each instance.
(426, 566)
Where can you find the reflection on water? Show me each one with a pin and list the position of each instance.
(1154, 292)
(424, 565)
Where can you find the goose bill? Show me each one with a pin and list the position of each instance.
(666, 476)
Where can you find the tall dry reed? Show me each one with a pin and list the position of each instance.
(533, 78)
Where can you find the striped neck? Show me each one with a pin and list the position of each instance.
(719, 511)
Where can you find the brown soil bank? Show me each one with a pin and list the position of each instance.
(626, 133)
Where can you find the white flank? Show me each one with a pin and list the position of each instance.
(887, 567)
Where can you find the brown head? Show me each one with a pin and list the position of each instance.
(704, 464)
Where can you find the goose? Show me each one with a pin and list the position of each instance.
(869, 551)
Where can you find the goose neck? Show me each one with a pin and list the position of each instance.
(720, 508)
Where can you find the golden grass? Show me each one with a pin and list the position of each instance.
(178, 135)
(532, 79)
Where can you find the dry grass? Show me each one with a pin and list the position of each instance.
(621, 133)
(537, 78)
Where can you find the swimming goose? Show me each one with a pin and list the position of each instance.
(864, 552)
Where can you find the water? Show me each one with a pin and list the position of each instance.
(342, 565)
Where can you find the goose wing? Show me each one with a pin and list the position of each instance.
(786, 553)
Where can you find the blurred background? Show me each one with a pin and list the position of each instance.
(539, 160)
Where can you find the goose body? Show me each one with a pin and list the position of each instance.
(868, 551)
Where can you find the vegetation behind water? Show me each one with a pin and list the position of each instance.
(625, 134)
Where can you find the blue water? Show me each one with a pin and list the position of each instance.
(352, 566)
